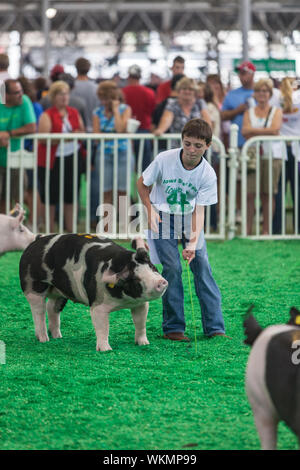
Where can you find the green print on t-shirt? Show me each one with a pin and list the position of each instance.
(180, 181)
(174, 201)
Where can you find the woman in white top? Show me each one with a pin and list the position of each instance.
(289, 101)
(261, 120)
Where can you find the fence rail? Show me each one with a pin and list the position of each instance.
(23, 160)
(264, 152)
(233, 171)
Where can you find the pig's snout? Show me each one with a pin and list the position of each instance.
(161, 285)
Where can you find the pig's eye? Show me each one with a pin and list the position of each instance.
(21, 228)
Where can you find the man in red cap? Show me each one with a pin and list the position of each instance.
(237, 101)
(246, 67)
(56, 71)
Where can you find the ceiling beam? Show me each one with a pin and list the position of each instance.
(167, 16)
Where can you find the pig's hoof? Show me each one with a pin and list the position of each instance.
(43, 338)
(142, 342)
(56, 334)
(103, 348)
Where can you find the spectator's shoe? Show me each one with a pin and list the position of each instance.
(176, 337)
(219, 334)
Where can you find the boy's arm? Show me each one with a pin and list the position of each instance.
(153, 216)
(197, 225)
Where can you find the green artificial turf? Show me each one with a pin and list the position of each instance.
(65, 395)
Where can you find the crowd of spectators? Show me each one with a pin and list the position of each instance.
(63, 103)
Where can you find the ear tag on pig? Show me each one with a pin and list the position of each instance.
(111, 285)
(85, 235)
(297, 320)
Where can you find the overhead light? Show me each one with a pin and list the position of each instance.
(50, 13)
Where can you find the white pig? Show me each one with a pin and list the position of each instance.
(13, 234)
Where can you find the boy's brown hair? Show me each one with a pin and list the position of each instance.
(198, 129)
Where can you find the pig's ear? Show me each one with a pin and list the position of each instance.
(142, 255)
(16, 210)
(16, 221)
(111, 277)
(294, 317)
(123, 274)
(139, 243)
(251, 328)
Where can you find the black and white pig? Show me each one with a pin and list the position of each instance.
(93, 271)
(273, 376)
(13, 234)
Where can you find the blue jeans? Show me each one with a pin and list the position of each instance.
(206, 288)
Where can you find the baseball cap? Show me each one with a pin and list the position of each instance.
(135, 71)
(56, 70)
(246, 66)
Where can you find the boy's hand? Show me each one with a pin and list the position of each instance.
(189, 252)
(188, 255)
(153, 220)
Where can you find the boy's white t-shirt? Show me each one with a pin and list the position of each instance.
(177, 190)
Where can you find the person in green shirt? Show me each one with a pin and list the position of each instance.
(17, 118)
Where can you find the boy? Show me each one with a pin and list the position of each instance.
(184, 184)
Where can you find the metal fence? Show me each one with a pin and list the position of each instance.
(267, 199)
(233, 165)
(130, 207)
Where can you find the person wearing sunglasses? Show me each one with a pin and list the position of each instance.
(263, 120)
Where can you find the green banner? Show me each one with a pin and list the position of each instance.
(270, 65)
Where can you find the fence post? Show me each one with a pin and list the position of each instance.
(233, 166)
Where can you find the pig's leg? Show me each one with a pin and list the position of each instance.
(266, 425)
(100, 319)
(54, 307)
(38, 310)
(139, 317)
